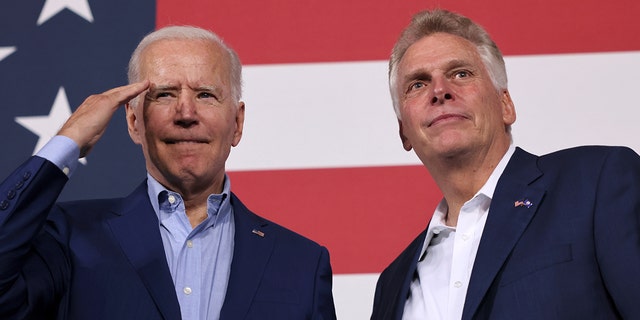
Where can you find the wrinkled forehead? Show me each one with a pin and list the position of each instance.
(442, 45)
(197, 53)
(439, 51)
(186, 63)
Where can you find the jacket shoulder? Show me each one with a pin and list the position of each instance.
(246, 218)
(589, 153)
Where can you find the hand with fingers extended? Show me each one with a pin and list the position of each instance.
(88, 123)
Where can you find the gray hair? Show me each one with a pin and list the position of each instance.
(426, 23)
(187, 33)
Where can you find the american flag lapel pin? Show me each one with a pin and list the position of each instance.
(258, 232)
(523, 203)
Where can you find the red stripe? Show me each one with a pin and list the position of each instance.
(364, 216)
(288, 31)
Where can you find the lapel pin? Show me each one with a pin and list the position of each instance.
(258, 232)
(523, 203)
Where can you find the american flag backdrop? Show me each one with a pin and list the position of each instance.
(320, 152)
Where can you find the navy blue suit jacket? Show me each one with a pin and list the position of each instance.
(573, 254)
(104, 259)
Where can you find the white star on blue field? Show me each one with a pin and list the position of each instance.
(53, 55)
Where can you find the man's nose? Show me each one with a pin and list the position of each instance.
(441, 91)
(186, 110)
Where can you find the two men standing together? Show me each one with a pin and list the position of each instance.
(515, 236)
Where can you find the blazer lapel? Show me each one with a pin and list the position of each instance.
(253, 245)
(395, 293)
(136, 228)
(513, 205)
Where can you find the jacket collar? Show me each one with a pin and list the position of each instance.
(135, 226)
(515, 202)
(253, 246)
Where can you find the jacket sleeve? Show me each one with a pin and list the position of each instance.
(33, 266)
(617, 229)
(324, 305)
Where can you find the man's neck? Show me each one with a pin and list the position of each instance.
(460, 178)
(195, 196)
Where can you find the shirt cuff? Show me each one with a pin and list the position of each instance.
(63, 152)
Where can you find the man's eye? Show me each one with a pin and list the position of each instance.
(155, 96)
(160, 95)
(462, 74)
(416, 85)
(206, 95)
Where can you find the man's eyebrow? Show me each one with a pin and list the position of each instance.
(421, 73)
(206, 88)
(457, 63)
(164, 87)
(417, 74)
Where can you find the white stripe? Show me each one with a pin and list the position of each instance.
(353, 295)
(318, 115)
(325, 115)
(568, 100)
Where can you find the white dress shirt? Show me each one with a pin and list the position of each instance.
(440, 284)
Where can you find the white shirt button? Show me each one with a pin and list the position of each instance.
(172, 199)
(186, 290)
(465, 237)
(66, 171)
(189, 244)
(457, 284)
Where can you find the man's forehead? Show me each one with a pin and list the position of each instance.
(444, 44)
(440, 49)
(175, 85)
(205, 52)
(199, 71)
(419, 68)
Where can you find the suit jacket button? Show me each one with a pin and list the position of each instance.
(26, 176)
(11, 194)
(4, 204)
(19, 185)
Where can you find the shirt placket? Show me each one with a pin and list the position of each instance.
(462, 260)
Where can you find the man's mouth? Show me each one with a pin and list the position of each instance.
(185, 141)
(445, 117)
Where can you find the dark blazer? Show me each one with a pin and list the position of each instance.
(104, 259)
(573, 254)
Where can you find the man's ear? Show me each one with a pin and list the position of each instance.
(405, 142)
(508, 109)
(237, 135)
(132, 123)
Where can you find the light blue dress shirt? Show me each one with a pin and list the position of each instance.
(199, 258)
